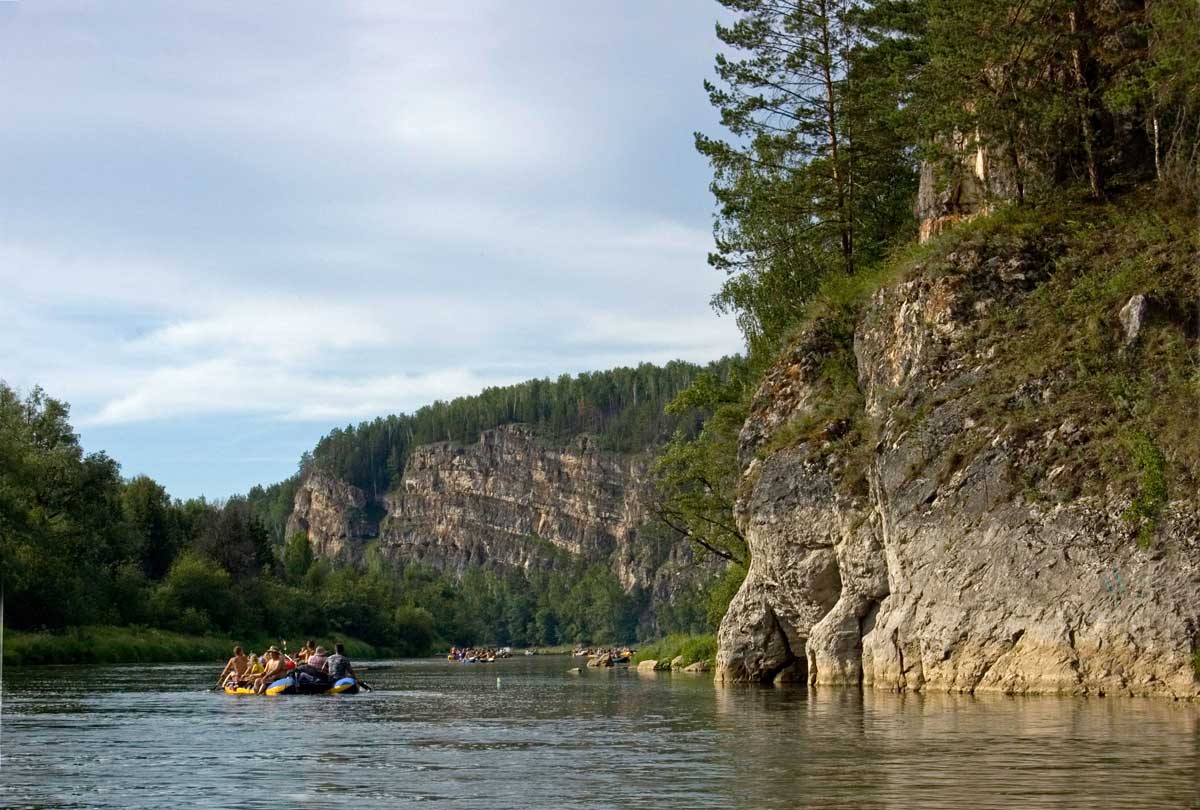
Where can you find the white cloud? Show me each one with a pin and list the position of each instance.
(274, 328)
(231, 387)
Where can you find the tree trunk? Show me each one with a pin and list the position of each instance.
(1085, 81)
(845, 225)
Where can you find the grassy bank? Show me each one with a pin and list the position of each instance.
(138, 645)
(692, 648)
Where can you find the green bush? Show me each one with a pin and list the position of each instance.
(693, 648)
(722, 594)
(1143, 513)
(414, 632)
(196, 585)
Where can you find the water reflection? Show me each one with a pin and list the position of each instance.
(882, 749)
(434, 731)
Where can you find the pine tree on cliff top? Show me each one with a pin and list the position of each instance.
(798, 185)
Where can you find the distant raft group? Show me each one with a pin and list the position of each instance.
(311, 672)
(604, 656)
(477, 655)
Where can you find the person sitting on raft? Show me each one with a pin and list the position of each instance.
(236, 668)
(339, 665)
(308, 649)
(314, 672)
(318, 660)
(276, 668)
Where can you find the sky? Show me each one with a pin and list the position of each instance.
(226, 228)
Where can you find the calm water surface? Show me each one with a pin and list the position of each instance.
(449, 734)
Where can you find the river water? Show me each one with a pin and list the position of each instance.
(524, 733)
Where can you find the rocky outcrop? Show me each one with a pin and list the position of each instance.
(509, 500)
(335, 515)
(969, 182)
(922, 561)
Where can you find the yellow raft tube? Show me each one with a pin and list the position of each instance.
(289, 686)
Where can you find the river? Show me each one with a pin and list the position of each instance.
(524, 733)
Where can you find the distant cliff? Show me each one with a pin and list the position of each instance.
(509, 500)
(999, 492)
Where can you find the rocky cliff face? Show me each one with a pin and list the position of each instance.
(921, 557)
(507, 501)
(336, 516)
(964, 188)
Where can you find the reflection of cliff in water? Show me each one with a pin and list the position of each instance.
(947, 750)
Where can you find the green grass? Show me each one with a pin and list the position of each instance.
(104, 644)
(1058, 354)
(692, 648)
(1143, 513)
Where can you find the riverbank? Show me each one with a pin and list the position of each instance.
(691, 648)
(103, 644)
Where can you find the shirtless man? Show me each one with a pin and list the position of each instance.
(276, 668)
(236, 668)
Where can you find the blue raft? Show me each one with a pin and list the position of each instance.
(290, 686)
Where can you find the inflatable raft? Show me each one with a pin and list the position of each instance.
(289, 686)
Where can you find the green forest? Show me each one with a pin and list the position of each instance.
(81, 545)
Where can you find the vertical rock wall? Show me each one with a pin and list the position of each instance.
(944, 575)
(509, 500)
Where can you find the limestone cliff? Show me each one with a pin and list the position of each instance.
(336, 516)
(509, 500)
(941, 548)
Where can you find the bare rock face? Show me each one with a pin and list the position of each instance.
(791, 529)
(509, 499)
(334, 515)
(943, 574)
(956, 190)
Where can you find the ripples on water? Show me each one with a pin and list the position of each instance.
(446, 733)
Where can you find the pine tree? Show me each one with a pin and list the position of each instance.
(812, 154)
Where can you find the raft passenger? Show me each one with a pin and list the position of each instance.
(275, 669)
(339, 665)
(318, 659)
(236, 668)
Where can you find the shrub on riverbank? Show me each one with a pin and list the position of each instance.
(693, 648)
(136, 645)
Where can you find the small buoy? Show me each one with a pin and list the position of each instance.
(497, 683)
